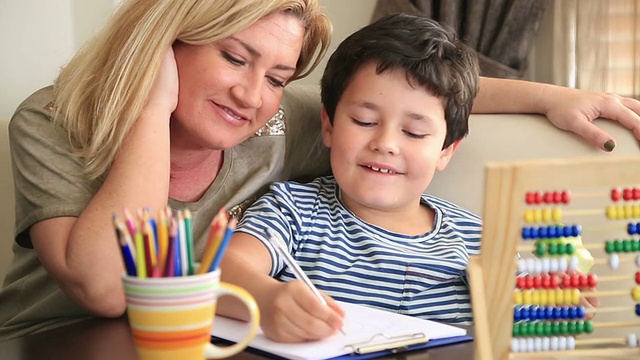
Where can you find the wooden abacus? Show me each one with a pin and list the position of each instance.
(493, 274)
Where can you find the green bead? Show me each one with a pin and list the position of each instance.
(539, 329)
(564, 328)
(546, 328)
(580, 327)
(569, 249)
(516, 330)
(588, 327)
(617, 245)
(553, 249)
(572, 327)
(635, 245)
(626, 246)
(608, 247)
(541, 249)
(555, 328)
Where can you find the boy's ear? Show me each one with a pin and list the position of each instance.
(327, 128)
(446, 154)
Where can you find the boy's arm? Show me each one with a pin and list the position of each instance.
(289, 311)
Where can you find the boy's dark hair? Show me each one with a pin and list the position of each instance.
(432, 57)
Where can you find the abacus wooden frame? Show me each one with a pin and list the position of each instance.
(492, 273)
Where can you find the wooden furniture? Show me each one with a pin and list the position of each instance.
(107, 339)
(493, 273)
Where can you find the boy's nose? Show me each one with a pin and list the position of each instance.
(385, 141)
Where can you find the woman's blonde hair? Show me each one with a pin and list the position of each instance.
(100, 93)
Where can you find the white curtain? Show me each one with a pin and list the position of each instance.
(596, 45)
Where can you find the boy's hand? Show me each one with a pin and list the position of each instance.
(294, 314)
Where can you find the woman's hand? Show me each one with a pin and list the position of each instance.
(575, 111)
(163, 96)
(294, 314)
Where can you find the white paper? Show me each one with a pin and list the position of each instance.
(361, 324)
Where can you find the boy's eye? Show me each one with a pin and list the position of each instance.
(362, 123)
(232, 59)
(414, 135)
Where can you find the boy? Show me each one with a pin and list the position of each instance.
(396, 100)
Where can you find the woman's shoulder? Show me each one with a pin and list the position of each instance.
(37, 108)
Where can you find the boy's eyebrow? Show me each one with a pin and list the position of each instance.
(254, 52)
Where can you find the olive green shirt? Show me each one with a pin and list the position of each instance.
(49, 183)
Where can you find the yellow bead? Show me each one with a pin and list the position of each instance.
(543, 297)
(526, 297)
(546, 215)
(635, 293)
(517, 297)
(620, 212)
(551, 297)
(535, 297)
(575, 296)
(557, 215)
(559, 297)
(636, 211)
(528, 216)
(628, 211)
(611, 212)
(537, 215)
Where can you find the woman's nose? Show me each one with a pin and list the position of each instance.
(248, 93)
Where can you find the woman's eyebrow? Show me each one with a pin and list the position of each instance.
(254, 52)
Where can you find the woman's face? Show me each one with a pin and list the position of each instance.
(231, 88)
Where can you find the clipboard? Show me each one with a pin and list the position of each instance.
(370, 333)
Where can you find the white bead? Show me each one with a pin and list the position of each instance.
(555, 265)
(530, 347)
(632, 340)
(545, 343)
(614, 261)
(573, 263)
(537, 344)
(514, 345)
(546, 265)
(554, 342)
(522, 343)
(571, 343)
(563, 264)
(522, 267)
(531, 265)
(638, 261)
(538, 266)
(562, 343)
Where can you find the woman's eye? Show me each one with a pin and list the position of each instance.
(362, 123)
(232, 59)
(275, 82)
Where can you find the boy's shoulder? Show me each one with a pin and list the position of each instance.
(450, 209)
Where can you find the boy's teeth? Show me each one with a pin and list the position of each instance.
(380, 170)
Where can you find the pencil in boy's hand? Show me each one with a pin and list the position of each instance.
(295, 268)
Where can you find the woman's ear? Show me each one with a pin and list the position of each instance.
(327, 128)
(446, 154)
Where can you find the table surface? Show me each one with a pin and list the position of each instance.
(98, 339)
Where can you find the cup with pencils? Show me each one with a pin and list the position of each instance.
(170, 298)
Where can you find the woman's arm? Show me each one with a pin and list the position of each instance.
(568, 109)
(81, 254)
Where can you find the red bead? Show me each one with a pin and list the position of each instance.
(529, 198)
(566, 281)
(520, 282)
(575, 280)
(616, 194)
(548, 197)
(557, 197)
(554, 282)
(566, 196)
(528, 284)
(637, 277)
(582, 280)
(592, 280)
(537, 282)
(546, 281)
(627, 194)
(636, 193)
(537, 197)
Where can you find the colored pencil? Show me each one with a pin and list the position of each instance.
(216, 233)
(125, 249)
(189, 241)
(231, 227)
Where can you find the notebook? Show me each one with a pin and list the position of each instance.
(368, 333)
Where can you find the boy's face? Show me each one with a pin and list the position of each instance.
(386, 141)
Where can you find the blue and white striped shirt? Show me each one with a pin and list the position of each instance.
(357, 262)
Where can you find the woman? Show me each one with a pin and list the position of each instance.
(178, 103)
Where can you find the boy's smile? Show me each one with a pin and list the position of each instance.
(386, 143)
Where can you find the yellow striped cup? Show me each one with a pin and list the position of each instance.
(171, 317)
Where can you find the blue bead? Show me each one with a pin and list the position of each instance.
(566, 231)
(526, 232)
(517, 314)
(526, 314)
(632, 228)
(572, 312)
(638, 309)
(580, 313)
(576, 230)
(534, 313)
(543, 233)
(553, 232)
(540, 314)
(564, 311)
(548, 313)
(556, 313)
